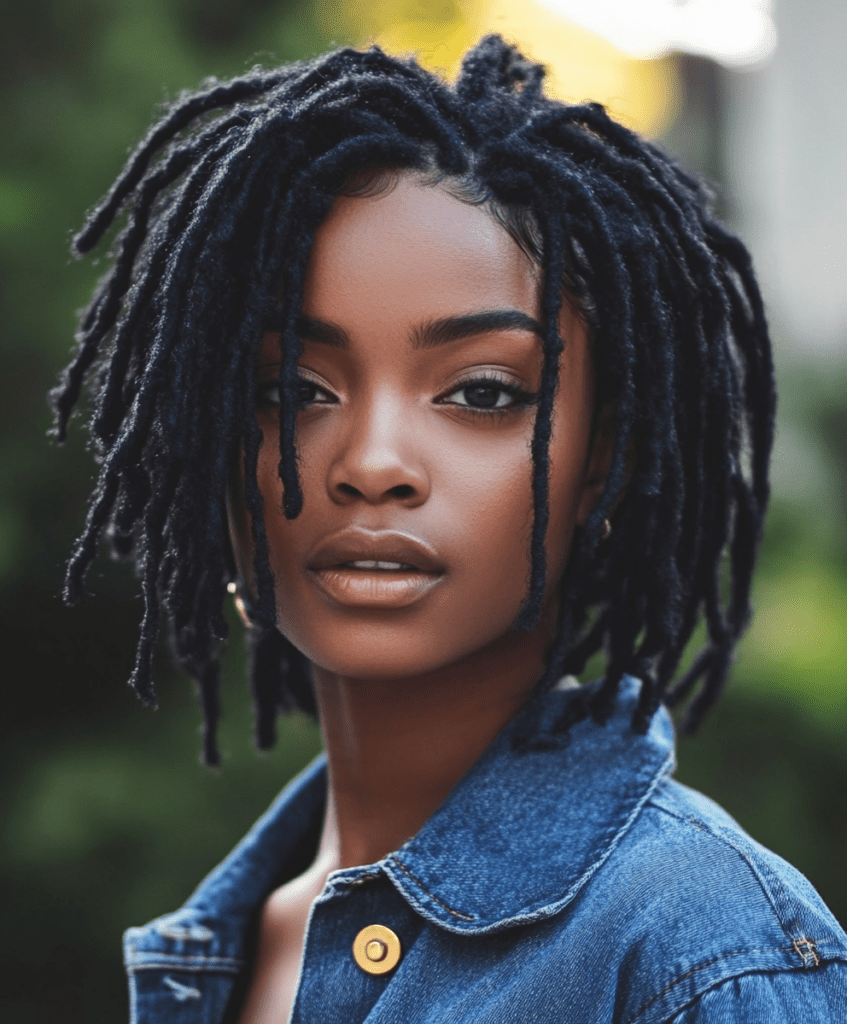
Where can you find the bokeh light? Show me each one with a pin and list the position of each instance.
(738, 33)
(581, 64)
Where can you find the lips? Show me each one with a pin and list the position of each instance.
(366, 569)
(358, 545)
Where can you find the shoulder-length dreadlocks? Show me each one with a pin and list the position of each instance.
(222, 199)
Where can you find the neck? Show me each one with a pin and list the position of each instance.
(396, 747)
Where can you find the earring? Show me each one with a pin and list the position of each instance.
(607, 529)
(240, 606)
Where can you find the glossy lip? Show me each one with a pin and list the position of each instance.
(375, 588)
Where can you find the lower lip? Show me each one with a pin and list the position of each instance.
(360, 588)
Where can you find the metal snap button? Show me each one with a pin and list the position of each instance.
(376, 949)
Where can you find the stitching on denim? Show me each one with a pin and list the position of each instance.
(769, 883)
(181, 992)
(159, 961)
(699, 967)
(342, 886)
(432, 896)
(181, 958)
(189, 968)
(807, 951)
(610, 838)
(362, 880)
(193, 932)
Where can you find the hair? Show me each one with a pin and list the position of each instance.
(221, 201)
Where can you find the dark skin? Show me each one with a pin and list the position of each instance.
(403, 575)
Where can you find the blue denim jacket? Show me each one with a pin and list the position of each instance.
(580, 885)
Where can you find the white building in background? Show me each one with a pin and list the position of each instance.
(780, 102)
(737, 33)
(787, 167)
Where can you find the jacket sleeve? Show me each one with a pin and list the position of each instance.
(817, 996)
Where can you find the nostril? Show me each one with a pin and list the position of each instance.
(352, 478)
(402, 491)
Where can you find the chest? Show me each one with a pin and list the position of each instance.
(282, 930)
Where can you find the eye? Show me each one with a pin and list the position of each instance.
(488, 393)
(308, 393)
(483, 396)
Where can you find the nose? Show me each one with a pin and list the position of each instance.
(380, 459)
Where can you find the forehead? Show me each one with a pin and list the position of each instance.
(415, 252)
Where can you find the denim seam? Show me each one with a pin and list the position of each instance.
(187, 968)
(340, 886)
(610, 840)
(432, 896)
(363, 879)
(195, 933)
(770, 885)
(810, 953)
(616, 832)
(162, 961)
(709, 963)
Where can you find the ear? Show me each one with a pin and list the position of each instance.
(598, 462)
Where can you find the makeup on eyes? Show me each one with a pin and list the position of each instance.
(490, 382)
(479, 388)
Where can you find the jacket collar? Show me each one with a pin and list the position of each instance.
(522, 833)
(518, 837)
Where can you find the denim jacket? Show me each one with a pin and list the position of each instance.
(580, 885)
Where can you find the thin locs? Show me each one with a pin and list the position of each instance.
(221, 200)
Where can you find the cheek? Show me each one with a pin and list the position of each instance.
(492, 498)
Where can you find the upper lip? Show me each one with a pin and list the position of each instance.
(356, 545)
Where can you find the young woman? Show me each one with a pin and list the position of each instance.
(452, 387)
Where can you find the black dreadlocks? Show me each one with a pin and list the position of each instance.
(222, 199)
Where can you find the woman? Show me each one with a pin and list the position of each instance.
(452, 387)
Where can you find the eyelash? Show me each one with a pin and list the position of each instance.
(520, 398)
(265, 389)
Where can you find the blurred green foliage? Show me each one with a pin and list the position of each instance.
(108, 817)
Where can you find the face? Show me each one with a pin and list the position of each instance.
(420, 368)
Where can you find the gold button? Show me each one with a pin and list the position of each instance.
(376, 949)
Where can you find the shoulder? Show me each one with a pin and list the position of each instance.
(815, 997)
(705, 852)
(693, 903)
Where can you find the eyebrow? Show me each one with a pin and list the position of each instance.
(434, 332)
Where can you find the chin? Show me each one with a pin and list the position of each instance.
(372, 661)
(416, 641)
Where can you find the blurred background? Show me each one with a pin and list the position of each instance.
(108, 818)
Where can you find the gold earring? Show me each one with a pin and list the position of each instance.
(607, 529)
(238, 601)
